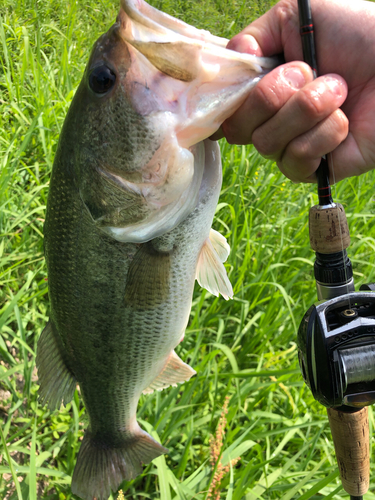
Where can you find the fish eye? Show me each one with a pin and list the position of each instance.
(101, 79)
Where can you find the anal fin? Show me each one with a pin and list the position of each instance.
(175, 372)
(211, 273)
(57, 383)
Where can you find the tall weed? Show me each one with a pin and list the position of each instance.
(244, 350)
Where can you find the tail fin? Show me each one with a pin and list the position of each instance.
(101, 467)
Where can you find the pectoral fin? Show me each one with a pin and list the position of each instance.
(211, 273)
(220, 244)
(175, 372)
(148, 280)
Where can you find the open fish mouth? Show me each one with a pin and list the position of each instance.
(163, 25)
(152, 25)
(220, 78)
(183, 83)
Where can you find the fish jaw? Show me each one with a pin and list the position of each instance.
(178, 84)
(163, 24)
(214, 80)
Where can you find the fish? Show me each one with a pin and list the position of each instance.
(132, 197)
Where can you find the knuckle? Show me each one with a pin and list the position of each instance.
(299, 150)
(290, 173)
(263, 144)
(231, 139)
(323, 138)
(285, 12)
(234, 134)
(299, 166)
(268, 97)
(335, 130)
(311, 104)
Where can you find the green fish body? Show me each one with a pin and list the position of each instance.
(132, 197)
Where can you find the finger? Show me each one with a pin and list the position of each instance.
(246, 44)
(312, 104)
(219, 134)
(350, 157)
(265, 100)
(302, 156)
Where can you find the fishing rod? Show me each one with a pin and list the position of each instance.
(336, 338)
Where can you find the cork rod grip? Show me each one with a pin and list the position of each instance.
(328, 228)
(350, 432)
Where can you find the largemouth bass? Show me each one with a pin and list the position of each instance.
(132, 197)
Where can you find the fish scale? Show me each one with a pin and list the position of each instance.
(105, 325)
(132, 197)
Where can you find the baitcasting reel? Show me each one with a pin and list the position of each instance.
(336, 338)
(336, 341)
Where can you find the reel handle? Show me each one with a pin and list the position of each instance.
(350, 433)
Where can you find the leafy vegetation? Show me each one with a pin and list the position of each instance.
(244, 350)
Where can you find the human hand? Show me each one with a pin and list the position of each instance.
(293, 119)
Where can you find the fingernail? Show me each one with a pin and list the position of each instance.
(294, 77)
(334, 85)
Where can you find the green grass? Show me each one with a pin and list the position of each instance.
(244, 349)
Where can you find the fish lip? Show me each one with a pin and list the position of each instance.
(167, 29)
(141, 12)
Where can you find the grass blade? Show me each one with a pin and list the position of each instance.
(11, 466)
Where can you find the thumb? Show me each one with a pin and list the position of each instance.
(276, 32)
